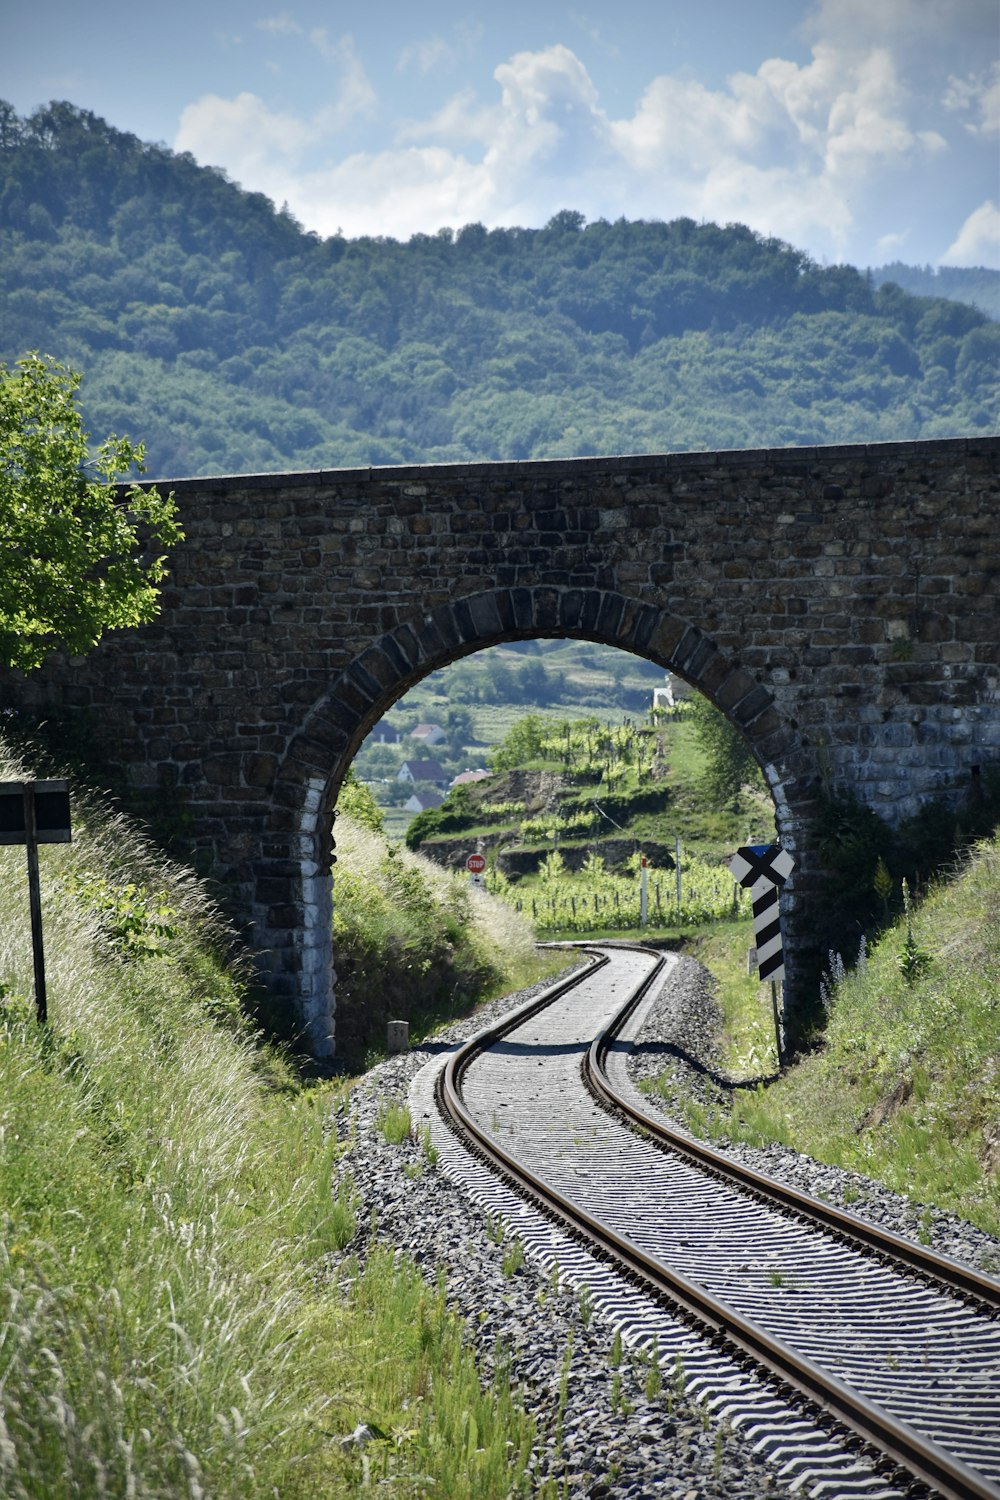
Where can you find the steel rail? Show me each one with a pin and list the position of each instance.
(924, 1460)
(940, 1269)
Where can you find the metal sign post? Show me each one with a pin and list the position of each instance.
(33, 813)
(476, 866)
(765, 868)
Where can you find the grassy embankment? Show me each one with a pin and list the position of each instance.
(412, 941)
(905, 1086)
(170, 1316)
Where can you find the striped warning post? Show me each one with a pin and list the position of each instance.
(764, 868)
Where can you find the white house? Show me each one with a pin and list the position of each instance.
(421, 801)
(427, 734)
(671, 693)
(414, 771)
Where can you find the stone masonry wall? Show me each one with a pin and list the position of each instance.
(840, 604)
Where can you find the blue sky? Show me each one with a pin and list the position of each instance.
(859, 130)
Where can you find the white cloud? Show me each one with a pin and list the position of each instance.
(282, 25)
(439, 54)
(798, 150)
(263, 148)
(593, 32)
(460, 120)
(355, 95)
(978, 241)
(427, 56)
(251, 141)
(788, 149)
(978, 95)
(398, 193)
(890, 246)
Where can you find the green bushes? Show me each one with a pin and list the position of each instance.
(593, 899)
(411, 941)
(867, 863)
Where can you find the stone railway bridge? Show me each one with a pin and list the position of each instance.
(839, 604)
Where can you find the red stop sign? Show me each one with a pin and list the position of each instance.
(476, 864)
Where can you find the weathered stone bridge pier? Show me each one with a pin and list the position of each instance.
(838, 604)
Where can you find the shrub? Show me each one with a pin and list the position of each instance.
(412, 940)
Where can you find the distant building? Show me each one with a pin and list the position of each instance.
(385, 734)
(415, 771)
(465, 777)
(671, 693)
(421, 801)
(428, 734)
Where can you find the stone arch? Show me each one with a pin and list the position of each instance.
(292, 911)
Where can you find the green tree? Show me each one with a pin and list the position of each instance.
(522, 743)
(729, 759)
(76, 558)
(460, 727)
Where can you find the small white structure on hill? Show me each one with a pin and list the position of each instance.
(674, 689)
(427, 734)
(421, 801)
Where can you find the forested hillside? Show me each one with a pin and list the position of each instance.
(211, 325)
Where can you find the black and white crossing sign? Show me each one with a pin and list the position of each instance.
(764, 868)
(755, 862)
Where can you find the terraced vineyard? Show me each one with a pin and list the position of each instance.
(575, 807)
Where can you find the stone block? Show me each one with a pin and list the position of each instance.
(397, 1037)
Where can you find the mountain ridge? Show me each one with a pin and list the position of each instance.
(210, 324)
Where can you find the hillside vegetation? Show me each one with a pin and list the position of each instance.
(412, 942)
(574, 806)
(171, 1320)
(476, 701)
(977, 285)
(231, 341)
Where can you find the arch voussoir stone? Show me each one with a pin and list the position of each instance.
(359, 697)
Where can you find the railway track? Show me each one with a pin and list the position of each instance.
(862, 1364)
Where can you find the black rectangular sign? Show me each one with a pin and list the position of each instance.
(51, 812)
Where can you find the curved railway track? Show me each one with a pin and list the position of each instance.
(876, 1335)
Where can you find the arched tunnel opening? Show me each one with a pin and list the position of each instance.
(603, 798)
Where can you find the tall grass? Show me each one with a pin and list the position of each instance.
(747, 1045)
(169, 1322)
(906, 1084)
(415, 942)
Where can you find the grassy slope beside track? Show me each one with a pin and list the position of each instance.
(170, 1317)
(905, 1085)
